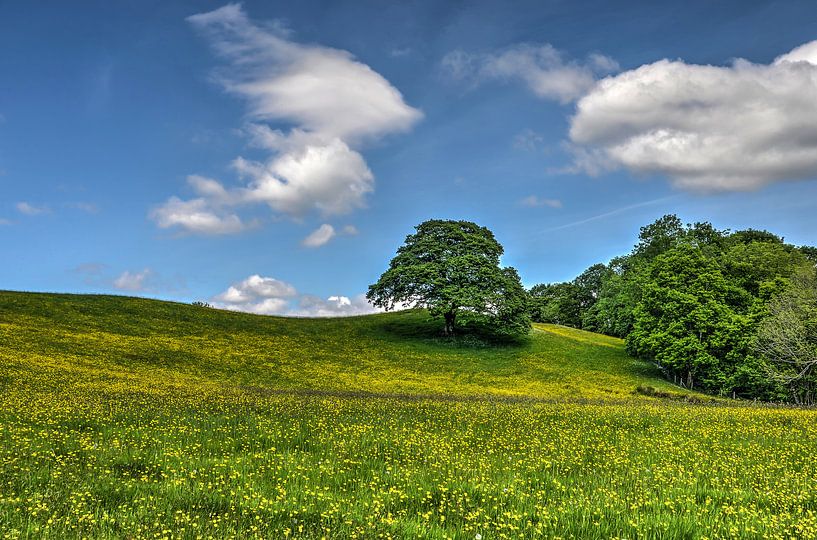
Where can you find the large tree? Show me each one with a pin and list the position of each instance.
(685, 321)
(451, 267)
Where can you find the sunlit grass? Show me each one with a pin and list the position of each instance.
(392, 353)
(127, 418)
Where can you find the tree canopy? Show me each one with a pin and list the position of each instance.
(726, 312)
(452, 268)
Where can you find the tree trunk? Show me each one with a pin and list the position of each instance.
(449, 323)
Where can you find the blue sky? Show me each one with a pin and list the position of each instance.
(272, 156)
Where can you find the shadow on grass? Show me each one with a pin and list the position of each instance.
(471, 332)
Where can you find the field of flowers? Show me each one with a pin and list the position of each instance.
(395, 353)
(100, 445)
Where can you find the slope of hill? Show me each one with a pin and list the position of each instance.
(131, 418)
(119, 338)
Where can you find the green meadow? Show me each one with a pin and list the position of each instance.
(134, 418)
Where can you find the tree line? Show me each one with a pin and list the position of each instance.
(730, 313)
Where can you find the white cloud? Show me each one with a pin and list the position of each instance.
(334, 103)
(330, 178)
(207, 187)
(319, 236)
(804, 53)
(533, 201)
(269, 296)
(133, 281)
(4, 221)
(263, 306)
(257, 294)
(334, 306)
(587, 160)
(196, 216)
(320, 89)
(350, 230)
(256, 288)
(545, 70)
(707, 128)
(31, 210)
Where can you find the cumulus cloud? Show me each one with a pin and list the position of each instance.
(334, 103)
(31, 210)
(256, 294)
(133, 281)
(545, 70)
(708, 128)
(334, 306)
(269, 296)
(804, 53)
(330, 178)
(201, 215)
(534, 201)
(255, 287)
(319, 236)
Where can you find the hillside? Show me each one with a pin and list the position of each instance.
(132, 418)
(114, 339)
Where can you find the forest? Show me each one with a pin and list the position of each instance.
(729, 313)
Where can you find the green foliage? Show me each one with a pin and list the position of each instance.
(662, 235)
(613, 312)
(567, 303)
(749, 236)
(700, 305)
(809, 252)
(749, 265)
(588, 285)
(684, 321)
(452, 267)
(690, 298)
(509, 315)
(787, 338)
(556, 303)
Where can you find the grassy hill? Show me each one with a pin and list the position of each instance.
(110, 338)
(132, 418)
